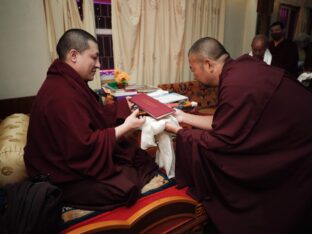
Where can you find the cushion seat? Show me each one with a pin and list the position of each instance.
(13, 131)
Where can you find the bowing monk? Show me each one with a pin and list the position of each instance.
(251, 163)
(77, 141)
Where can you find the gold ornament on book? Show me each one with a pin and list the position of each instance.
(121, 78)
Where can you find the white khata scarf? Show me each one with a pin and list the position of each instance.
(154, 134)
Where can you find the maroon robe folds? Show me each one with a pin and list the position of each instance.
(253, 170)
(71, 137)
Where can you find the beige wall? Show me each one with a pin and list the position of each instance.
(240, 26)
(24, 50)
(250, 24)
(23, 44)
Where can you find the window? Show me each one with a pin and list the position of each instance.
(288, 16)
(103, 22)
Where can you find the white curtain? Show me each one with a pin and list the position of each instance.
(62, 15)
(148, 39)
(204, 18)
(302, 21)
(151, 37)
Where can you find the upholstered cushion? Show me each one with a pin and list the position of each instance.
(206, 97)
(13, 131)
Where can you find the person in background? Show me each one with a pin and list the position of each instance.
(259, 49)
(304, 44)
(305, 59)
(250, 163)
(77, 141)
(307, 65)
(284, 52)
(301, 41)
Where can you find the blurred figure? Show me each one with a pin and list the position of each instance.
(304, 44)
(284, 52)
(259, 49)
(307, 65)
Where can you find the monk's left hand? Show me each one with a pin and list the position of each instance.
(134, 121)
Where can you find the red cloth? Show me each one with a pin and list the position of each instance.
(126, 213)
(71, 137)
(253, 170)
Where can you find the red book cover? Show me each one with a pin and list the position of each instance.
(151, 106)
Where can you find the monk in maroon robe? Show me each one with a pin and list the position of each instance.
(77, 141)
(251, 163)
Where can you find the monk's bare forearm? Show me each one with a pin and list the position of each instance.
(121, 130)
(198, 121)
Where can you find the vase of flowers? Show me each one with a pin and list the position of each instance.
(121, 78)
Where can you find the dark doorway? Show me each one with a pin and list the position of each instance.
(288, 15)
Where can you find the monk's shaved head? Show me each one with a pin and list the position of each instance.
(260, 38)
(206, 58)
(208, 47)
(259, 45)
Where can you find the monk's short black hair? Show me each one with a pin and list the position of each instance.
(73, 39)
(208, 47)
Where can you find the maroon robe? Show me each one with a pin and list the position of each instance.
(253, 170)
(71, 137)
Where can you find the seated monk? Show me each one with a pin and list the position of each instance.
(250, 163)
(77, 141)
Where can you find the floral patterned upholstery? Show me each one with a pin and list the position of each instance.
(206, 97)
(13, 131)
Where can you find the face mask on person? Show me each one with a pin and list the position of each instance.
(277, 36)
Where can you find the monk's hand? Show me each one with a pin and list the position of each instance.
(131, 122)
(170, 127)
(178, 114)
(130, 104)
(134, 121)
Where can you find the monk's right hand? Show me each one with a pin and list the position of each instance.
(131, 122)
